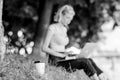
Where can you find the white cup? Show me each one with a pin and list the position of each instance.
(40, 67)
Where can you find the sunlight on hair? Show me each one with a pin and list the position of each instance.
(66, 8)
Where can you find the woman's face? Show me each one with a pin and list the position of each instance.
(67, 18)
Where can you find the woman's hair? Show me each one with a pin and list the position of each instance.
(62, 11)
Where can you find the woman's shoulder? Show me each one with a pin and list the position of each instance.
(53, 26)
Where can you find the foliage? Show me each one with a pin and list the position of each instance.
(20, 13)
(16, 67)
(21, 8)
(88, 20)
(63, 75)
(84, 28)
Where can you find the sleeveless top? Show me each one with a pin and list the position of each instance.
(59, 39)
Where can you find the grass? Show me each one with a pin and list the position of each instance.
(16, 67)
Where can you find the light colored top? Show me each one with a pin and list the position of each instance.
(59, 37)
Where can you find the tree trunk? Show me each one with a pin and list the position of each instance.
(2, 42)
(41, 32)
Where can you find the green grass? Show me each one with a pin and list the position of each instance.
(16, 67)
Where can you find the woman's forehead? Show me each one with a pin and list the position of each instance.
(70, 12)
(69, 15)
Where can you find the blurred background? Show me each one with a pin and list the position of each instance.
(26, 21)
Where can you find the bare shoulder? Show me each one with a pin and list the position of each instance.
(53, 26)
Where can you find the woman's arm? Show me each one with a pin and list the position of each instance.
(48, 38)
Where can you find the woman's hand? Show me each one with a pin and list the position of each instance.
(68, 57)
(70, 52)
(79, 56)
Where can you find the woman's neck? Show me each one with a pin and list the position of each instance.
(63, 25)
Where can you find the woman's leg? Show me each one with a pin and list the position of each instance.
(100, 73)
(83, 63)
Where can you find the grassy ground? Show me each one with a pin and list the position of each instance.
(16, 67)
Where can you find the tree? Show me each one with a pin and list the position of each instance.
(2, 42)
(41, 31)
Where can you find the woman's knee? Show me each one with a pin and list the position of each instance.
(90, 59)
(84, 60)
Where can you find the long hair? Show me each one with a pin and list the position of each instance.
(63, 10)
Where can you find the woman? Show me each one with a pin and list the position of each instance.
(56, 40)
